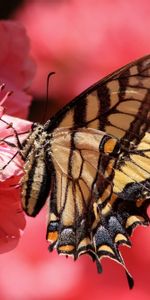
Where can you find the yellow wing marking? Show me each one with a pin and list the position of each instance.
(68, 120)
(52, 217)
(121, 120)
(88, 139)
(94, 124)
(88, 173)
(68, 214)
(108, 207)
(134, 172)
(145, 144)
(95, 209)
(134, 219)
(135, 93)
(63, 152)
(114, 131)
(106, 248)
(120, 181)
(84, 243)
(131, 107)
(145, 82)
(61, 190)
(142, 162)
(90, 156)
(92, 106)
(80, 198)
(76, 163)
(85, 191)
(120, 238)
(113, 87)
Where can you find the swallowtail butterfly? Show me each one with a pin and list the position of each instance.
(92, 161)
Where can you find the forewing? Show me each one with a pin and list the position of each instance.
(119, 104)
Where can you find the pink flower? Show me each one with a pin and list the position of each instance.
(39, 274)
(81, 41)
(16, 67)
(12, 220)
(16, 71)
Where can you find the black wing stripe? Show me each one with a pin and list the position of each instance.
(79, 118)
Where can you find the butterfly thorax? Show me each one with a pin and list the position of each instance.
(33, 140)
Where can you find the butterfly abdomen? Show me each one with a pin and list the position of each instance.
(36, 180)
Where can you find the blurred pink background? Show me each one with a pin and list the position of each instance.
(81, 41)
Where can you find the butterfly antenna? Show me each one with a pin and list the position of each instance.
(47, 88)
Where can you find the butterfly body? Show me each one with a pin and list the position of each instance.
(92, 160)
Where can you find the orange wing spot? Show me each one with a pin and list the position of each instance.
(109, 145)
(52, 217)
(85, 242)
(95, 209)
(52, 236)
(67, 248)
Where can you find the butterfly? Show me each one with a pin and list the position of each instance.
(92, 162)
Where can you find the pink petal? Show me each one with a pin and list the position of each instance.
(16, 67)
(83, 40)
(12, 220)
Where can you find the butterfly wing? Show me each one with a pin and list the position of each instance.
(120, 106)
(99, 195)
